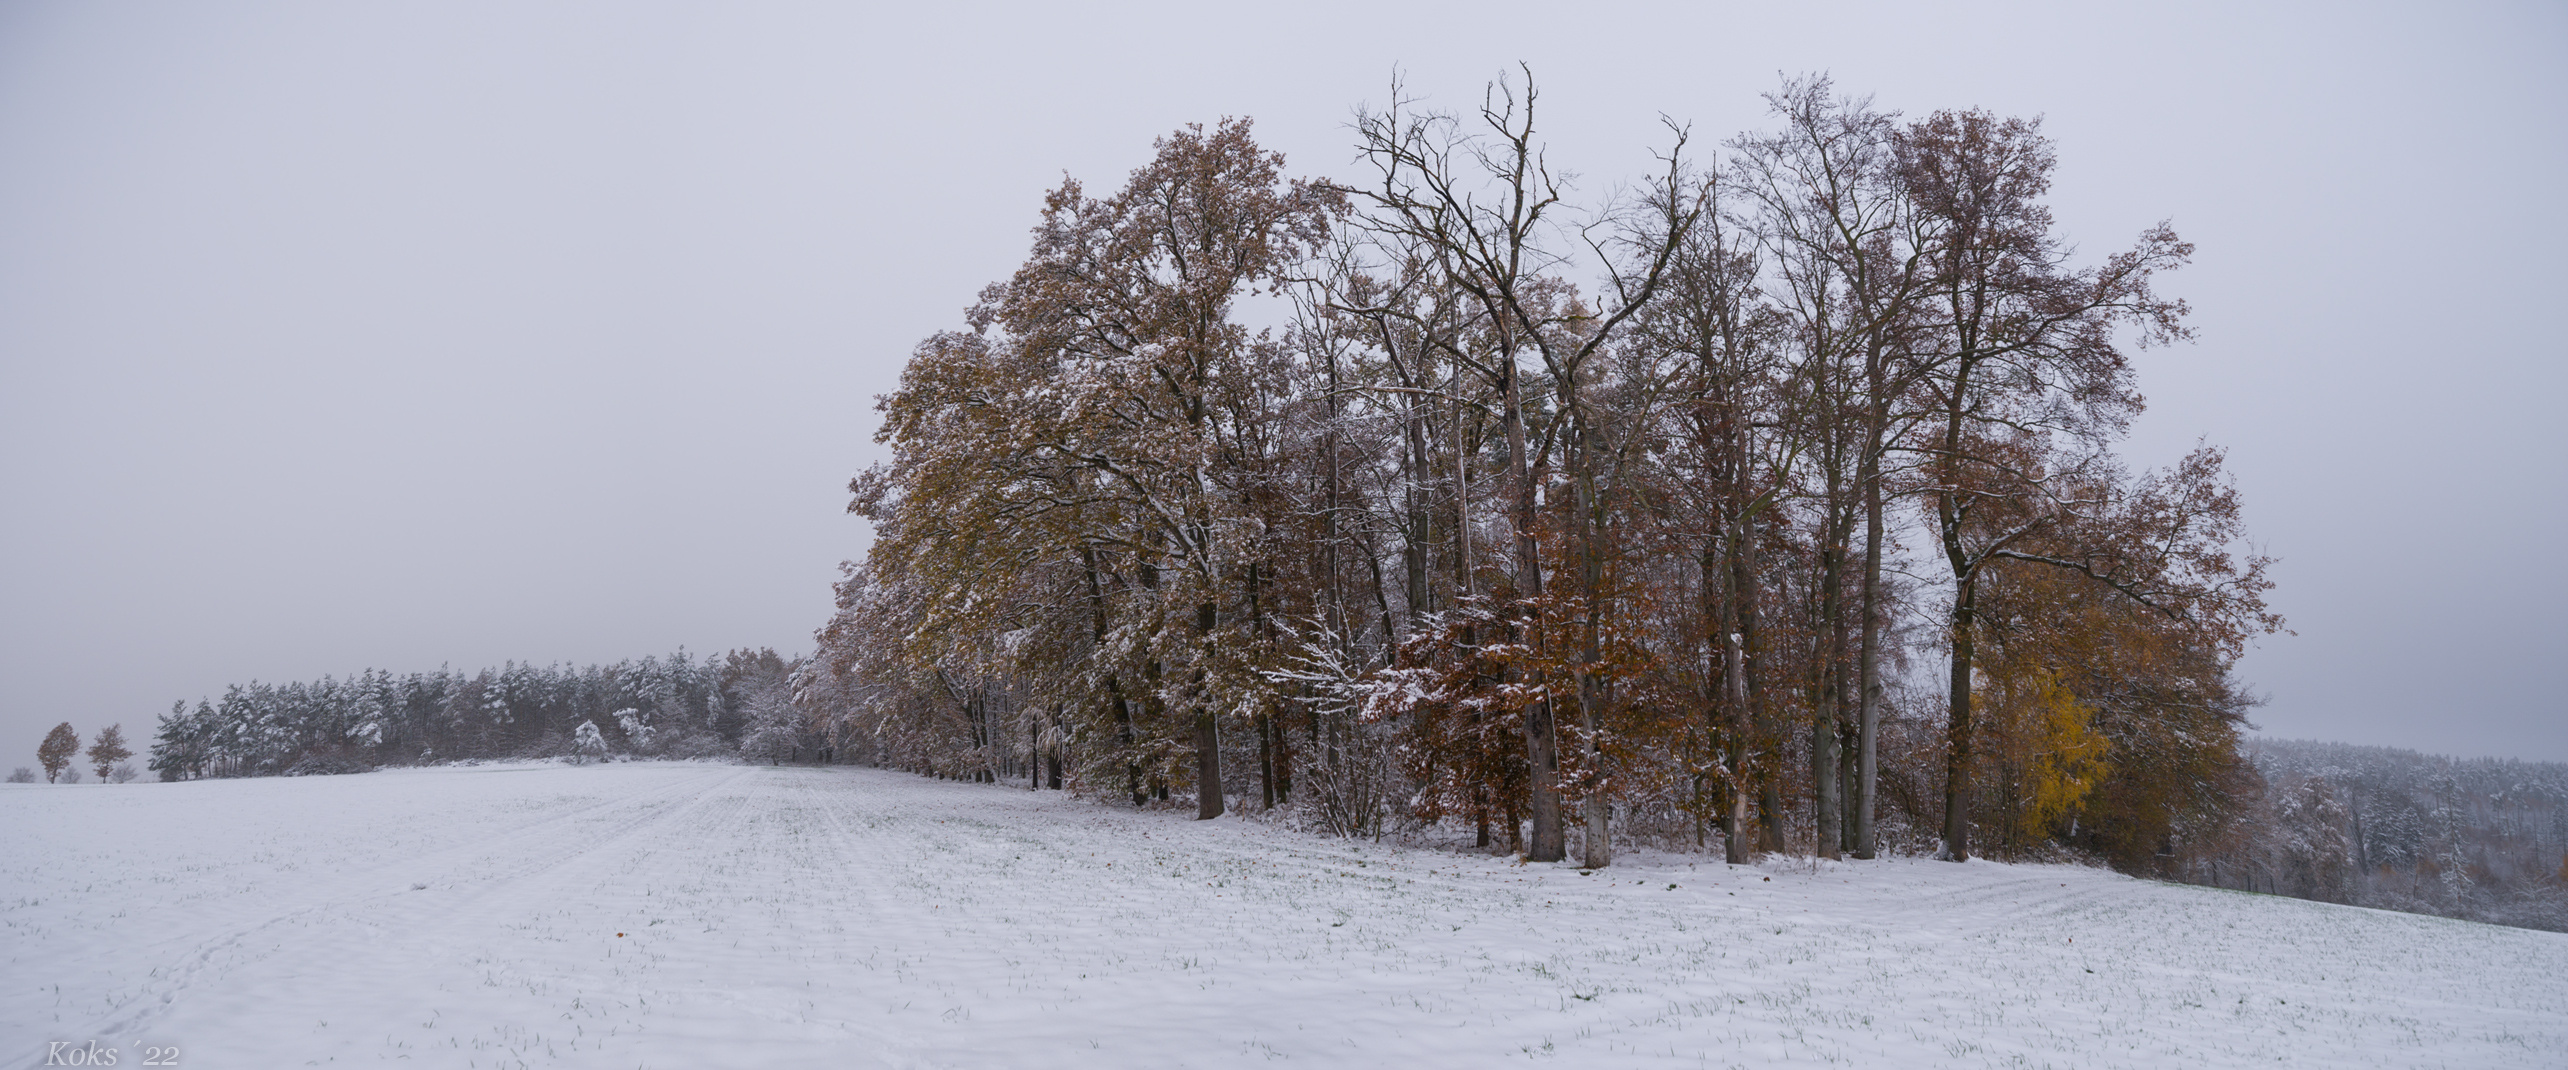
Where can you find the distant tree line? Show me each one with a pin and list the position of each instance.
(675, 706)
(2480, 838)
(1772, 504)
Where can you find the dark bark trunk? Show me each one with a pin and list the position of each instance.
(1413, 547)
(1208, 767)
(1266, 760)
(1599, 845)
(1734, 695)
(1208, 742)
(1824, 774)
(1952, 509)
(1743, 566)
(1868, 668)
(1114, 687)
(1462, 582)
(1052, 755)
(1542, 740)
(1283, 760)
(1957, 733)
(1381, 597)
(1263, 724)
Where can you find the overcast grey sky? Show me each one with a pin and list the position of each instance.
(344, 335)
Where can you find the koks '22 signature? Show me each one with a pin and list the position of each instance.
(71, 1053)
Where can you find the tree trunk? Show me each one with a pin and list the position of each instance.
(1208, 766)
(1262, 723)
(1868, 671)
(1283, 759)
(1462, 581)
(1208, 741)
(1734, 693)
(1957, 734)
(1823, 721)
(1743, 565)
(1052, 754)
(1266, 760)
(1413, 499)
(1114, 688)
(1542, 740)
(1599, 846)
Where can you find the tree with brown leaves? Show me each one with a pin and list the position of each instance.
(60, 746)
(108, 749)
(2029, 382)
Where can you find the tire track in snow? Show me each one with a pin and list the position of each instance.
(537, 847)
(754, 874)
(577, 898)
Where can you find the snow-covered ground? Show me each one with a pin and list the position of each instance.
(685, 915)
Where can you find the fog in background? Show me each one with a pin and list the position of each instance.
(336, 336)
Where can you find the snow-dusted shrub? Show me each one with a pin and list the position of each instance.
(588, 743)
(540, 748)
(327, 765)
(694, 745)
(22, 775)
(1351, 784)
(775, 728)
(1354, 788)
(770, 742)
(124, 774)
(637, 729)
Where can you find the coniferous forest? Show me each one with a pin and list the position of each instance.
(676, 706)
(1766, 502)
(2484, 839)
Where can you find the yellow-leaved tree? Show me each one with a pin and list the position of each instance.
(2048, 753)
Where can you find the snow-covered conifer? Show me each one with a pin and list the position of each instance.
(637, 728)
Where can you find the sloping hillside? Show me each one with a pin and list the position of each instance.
(685, 915)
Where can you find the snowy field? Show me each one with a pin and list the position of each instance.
(682, 915)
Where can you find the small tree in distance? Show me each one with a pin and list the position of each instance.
(56, 752)
(24, 775)
(774, 729)
(108, 749)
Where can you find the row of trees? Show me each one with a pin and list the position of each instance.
(1774, 499)
(61, 748)
(677, 706)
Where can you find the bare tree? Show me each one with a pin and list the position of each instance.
(1713, 317)
(1848, 252)
(1482, 200)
